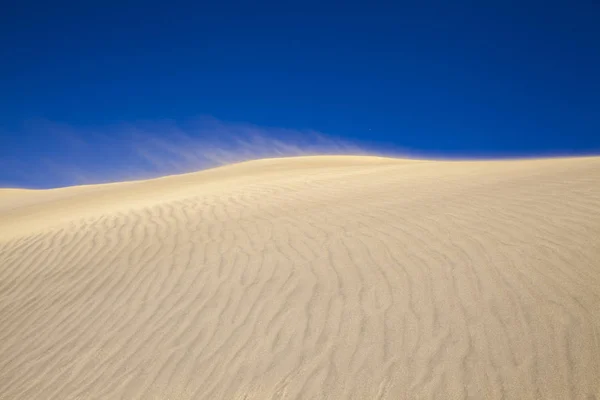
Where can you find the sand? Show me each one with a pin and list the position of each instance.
(331, 277)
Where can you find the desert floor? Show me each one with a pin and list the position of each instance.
(335, 277)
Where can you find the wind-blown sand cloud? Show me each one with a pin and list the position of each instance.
(76, 155)
(327, 277)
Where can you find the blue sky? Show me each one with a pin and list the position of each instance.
(432, 78)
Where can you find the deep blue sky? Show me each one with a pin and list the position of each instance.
(434, 77)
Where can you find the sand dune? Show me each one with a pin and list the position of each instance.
(307, 278)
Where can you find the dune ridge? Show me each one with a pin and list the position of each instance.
(338, 277)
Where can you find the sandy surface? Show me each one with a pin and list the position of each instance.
(312, 277)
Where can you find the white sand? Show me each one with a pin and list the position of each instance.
(312, 277)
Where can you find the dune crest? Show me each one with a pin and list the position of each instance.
(310, 277)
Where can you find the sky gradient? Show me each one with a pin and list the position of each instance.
(437, 79)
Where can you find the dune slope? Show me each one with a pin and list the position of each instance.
(311, 277)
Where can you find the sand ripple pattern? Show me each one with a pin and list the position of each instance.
(307, 278)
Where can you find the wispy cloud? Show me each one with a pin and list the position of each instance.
(75, 155)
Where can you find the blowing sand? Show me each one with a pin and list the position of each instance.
(307, 278)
